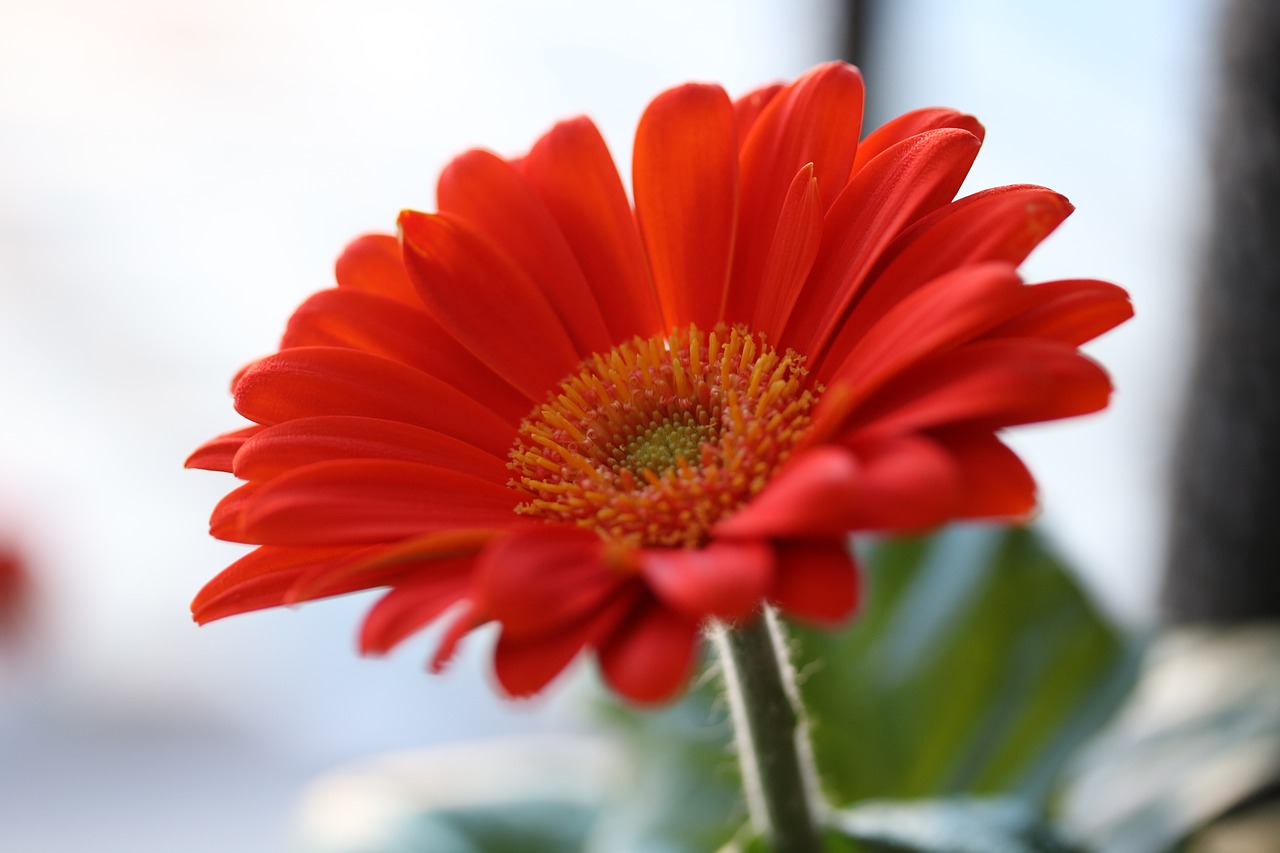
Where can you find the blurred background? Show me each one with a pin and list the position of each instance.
(176, 177)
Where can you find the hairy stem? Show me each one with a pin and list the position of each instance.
(773, 748)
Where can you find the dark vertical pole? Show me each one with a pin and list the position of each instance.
(1224, 565)
(855, 44)
(853, 40)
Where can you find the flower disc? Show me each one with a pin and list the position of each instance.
(655, 441)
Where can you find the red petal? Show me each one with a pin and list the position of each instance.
(724, 580)
(996, 382)
(293, 444)
(795, 246)
(912, 124)
(812, 122)
(570, 168)
(413, 603)
(388, 564)
(817, 581)
(1069, 312)
(227, 520)
(217, 453)
(686, 187)
(491, 195)
(411, 336)
(486, 302)
(907, 483)
(949, 311)
(371, 500)
(1002, 224)
(994, 484)
(524, 665)
(894, 190)
(650, 657)
(747, 109)
(310, 381)
(467, 618)
(538, 580)
(263, 577)
(373, 264)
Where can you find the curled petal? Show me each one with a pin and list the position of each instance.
(413, 603)
(649, 658)
(537, 579)
(526, 664)
(994, 484)
(724, 580)
(907, 483)
(817, 581)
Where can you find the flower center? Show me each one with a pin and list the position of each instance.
(655, 441)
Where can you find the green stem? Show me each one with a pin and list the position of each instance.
(773, 748)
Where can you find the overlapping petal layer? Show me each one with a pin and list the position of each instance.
(772, 259)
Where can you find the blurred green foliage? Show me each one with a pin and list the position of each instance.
(976, 667)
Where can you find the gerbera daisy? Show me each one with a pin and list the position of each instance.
(602, 426)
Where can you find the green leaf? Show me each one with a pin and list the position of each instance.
(977, 666)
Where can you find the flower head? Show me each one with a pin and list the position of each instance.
(601, 426)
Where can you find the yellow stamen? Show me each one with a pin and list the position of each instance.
(655, 441)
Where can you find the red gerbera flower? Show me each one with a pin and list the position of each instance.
(600, 428)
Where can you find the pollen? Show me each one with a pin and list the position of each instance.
(657, 440)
